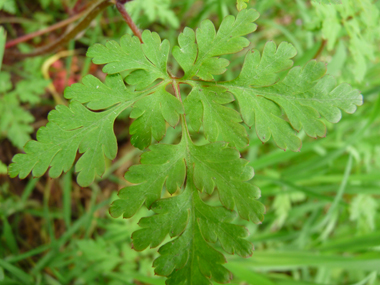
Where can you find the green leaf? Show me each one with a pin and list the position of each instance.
(150, 57)
(98, 95)
(241, 4)
(359, 34)
(216, 165)
(71, 129)
(363, 211)
(5, 82)
(3, 168)
(190, 258)
(173, 216)
(3, 37)
(30, 90)
(215, 225)
(155, 11)
(303, 96)
(46, 3)
(151, 113)
(173, 179)
(77, 128)
(14, 120)
(164, 163)
(262, 70)
(206, 105)
(200, 59)
(8, 6)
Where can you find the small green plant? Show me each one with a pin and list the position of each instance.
(277, 106)
(355, 24)
(15, 120)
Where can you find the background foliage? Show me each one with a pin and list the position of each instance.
(322, 222)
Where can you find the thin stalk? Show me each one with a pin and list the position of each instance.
(71, 33)
(54, 27)
(67, 192)
(49, 221)
(87, 16)
(185, 129)
(15, 20)
(321, 48)
(177, 90)
(45, 72)
(128, 19)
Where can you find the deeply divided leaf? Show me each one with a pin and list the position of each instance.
(97, 95)
(204, 106)
(200, 58)
(151, 114)
(297, 101)
(164, 163)
(196, 225)
(70, 129)
(271, 96)
(148, 59)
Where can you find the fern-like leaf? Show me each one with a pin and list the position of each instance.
(196, 225)
(201, 59)
(303, 96)
(276, 107)
(204, 106)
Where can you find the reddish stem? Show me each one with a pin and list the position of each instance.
(56, 26)
(70, 33)
(321, 48)
(128, 19)
(89, 15)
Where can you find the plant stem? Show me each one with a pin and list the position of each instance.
(176, 90)
(45, 71)
(321, 48)
(15, 20)
(185, 129)
(89, 14)
(56, 26)
(71, 33)
(128, 19)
